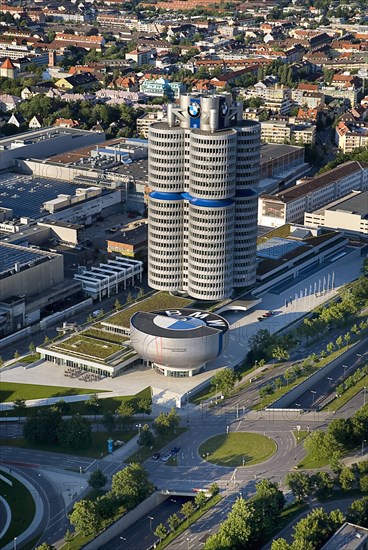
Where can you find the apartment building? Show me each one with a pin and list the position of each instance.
(278, 131)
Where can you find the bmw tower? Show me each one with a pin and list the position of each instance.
(203, 171)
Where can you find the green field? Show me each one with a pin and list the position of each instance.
(161, 300)
(237, 449)
(105, 405)
(98, 446)
(10, 391)
(22, 507)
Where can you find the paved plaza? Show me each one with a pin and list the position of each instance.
(167, 391)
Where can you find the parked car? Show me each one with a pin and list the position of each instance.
(260, 318)
(175, 450)
(156, 456)
(166, 457)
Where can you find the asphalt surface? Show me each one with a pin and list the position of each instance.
(140, 536)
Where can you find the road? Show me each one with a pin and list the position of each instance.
(356, 357)
(140, 536)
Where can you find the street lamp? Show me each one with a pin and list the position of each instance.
(216, 394)
(227, 429)
(150, 520)
(243, 460)
(345, 367)
(139, 428)
(364, 441)
(329, 381)
(314, 395)
(188, 394)
(364, 390)
(188, 540)
(15, 543)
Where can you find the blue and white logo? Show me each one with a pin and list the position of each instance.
(194, 109)
(224, 109)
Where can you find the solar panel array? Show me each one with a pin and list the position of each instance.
(9, 256)
(276, 247)
(25, 195)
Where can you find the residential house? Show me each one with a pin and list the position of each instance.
(82, 80)
(35, 123)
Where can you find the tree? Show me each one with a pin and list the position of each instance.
(107, 505)
(61, 406)
(144, 406)
(166, 422)
(92, 404)
(322, 484)
(346, 479)
(160, 531)
(224, 380)
(287, 376)
(339, 342)
(278, 383)
(358, 512)
(75, 433)
(129, 299)
(85, 517)
(280, 353)
(68, 537)
(16, 354)
(117, 305)
(330, 347)
(43, 428)
(45, 546)
(131, 485)
(214, 489)
(335, 462)
(108, 420)
(317, 527)
(347, 338)
(340, 429)
(299, 484)
(174, 521)
(280, 544)
(19, 406)
(200, 499)
(125, 413)
(187, 509)
(146, 437)
(238, 529)
(97, 480)
(321, 445)
(271, 498)
(32, 348)
(363, 483)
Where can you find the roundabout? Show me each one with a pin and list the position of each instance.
(237, 449)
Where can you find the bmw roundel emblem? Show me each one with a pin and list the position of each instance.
(224, 109)
(194, 109)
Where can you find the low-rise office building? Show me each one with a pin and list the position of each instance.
(310, 194)
(131, 243)
(280, 165)
(349, 215)
(348, 537)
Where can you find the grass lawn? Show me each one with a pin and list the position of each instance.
(161, 300)
(231, 449)
(105, 405)
(339, 402)
(161, 441)
(22, 508)
(186, 523)
(98, 445)
(10, 391)
(309, 463)
(300, 435)
(99, 334)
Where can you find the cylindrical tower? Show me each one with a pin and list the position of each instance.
(165, 207)
(212, 164)
(165, 241)
(210, 248)
(246, 203)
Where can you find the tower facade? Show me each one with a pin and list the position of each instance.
(203, 167)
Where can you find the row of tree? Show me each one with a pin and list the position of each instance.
(128, 488)
(321, 484)
(249, 523)
(265, 346)
(187, 510)
(342, 434)
(337, 314)
(164, 424)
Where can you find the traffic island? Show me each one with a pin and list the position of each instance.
(237, 449)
